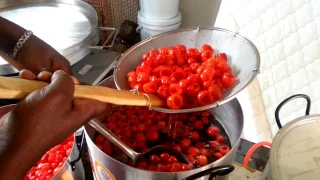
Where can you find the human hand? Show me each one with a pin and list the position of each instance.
(44, 76)
(36, 56)
(42, 120)
(99, 109)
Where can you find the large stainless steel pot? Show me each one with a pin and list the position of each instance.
(72, 168)
(295, 148)
(69, 26)
(229, 116)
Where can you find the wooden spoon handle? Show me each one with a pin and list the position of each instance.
(15, 88)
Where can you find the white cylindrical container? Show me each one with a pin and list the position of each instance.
(149, 28)
(147, 31)
(201, 13)
(159, 9)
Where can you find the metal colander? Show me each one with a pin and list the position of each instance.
(243, 58)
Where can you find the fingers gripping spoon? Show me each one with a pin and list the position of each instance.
(16, 88)
(136, 157)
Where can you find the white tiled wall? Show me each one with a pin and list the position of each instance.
(286, 32)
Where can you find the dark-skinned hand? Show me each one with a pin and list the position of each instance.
(41, 121)
(36, 56)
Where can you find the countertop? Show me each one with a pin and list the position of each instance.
(242, 173)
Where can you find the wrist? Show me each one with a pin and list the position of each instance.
(10, 33)
(21, 42)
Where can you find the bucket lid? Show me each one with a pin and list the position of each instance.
(167, 22)
(67, 26)
(295, 152)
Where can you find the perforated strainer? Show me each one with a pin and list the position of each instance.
(243, 58)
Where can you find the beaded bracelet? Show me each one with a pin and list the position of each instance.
(20, 42)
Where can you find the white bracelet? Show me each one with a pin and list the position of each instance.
(21, 41)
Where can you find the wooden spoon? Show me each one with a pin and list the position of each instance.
(16, 88)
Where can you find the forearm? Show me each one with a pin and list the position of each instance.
(15, 165)
(9, 35)
(16, 155)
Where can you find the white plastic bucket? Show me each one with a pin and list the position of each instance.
(161, 22)
(149, 28)
(159, 9)
(150, 31)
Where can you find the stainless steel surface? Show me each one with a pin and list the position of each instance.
(266, 173)
(295, 150)
(95, 66)
(65, 172)
(6, 69)
(98, 126)
(111, 37)
(69, 26)
(136, 157)
(229, 116)
(244, 58)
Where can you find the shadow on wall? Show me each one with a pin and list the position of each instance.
(199, 12)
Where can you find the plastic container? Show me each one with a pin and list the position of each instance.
(149, 28)
(159, 9)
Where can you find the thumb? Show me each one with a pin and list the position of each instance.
(86, 109)
(62, 85)
(60, 89)
(61, 63)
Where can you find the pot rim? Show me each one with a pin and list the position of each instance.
(181, 172)
(66, 163)
(280, 136)
(192, 170)
(196, 170)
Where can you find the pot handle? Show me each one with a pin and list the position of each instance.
(215, 171)
(112, 37)
(81, 147)
(286, 101)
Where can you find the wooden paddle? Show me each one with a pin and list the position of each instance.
(16, 88)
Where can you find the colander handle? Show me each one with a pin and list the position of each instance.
(213, 172)
(289, 99)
